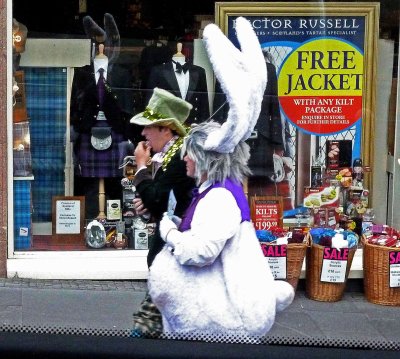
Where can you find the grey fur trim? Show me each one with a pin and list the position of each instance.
(218, 166)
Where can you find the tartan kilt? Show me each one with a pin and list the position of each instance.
(147, 321)
(95, 163)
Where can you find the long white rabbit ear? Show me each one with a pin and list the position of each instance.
(243, 77)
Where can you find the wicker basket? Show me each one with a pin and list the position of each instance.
(323, 291)
(376, 275)
(295, 253)
(295, 258)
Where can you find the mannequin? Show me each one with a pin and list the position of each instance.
(109, 118)
(181, 70)
(94, 120)
(178, 56)
(184, 80)
(101, 61)
(101, 57)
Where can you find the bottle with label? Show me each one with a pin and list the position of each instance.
(121, 240)
(367, 222)
(358, 173)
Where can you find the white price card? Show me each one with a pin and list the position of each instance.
(276, 256)
(394, 269)
(334, 264)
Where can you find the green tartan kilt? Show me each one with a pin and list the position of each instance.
(147, 321)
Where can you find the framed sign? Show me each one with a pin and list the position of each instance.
(266, 212)
(325, 57)
(68, 219)
(19, 107)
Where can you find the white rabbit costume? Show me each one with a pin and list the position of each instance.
(212, 279)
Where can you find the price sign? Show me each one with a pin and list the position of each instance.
(334, 264)
(276, 256)
(394, 269)
(266, 212)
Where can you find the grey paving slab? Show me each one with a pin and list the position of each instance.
(345, 325)
(11, 315)
(10, 306)
(79, 308)
(10, 296)
(294, 324)
(388, 328)
(377, 311)
(346, 305)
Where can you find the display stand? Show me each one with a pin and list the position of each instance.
(102, 200)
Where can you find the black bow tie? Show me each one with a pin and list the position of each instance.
(180, 67)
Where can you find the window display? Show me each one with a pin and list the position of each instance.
(323, 151)
(80, 133)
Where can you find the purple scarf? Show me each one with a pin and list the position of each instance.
(234, 187)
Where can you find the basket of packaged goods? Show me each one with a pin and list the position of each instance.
(381, 265)
(328, 261)
(285, 252)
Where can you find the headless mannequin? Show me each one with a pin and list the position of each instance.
(182, 78)
(101, 61)
(179, 57)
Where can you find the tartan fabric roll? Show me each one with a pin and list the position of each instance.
(22, 215)
(46, 99)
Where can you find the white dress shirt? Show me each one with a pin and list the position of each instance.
(182, 78)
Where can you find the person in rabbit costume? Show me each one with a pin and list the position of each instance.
(211, 277)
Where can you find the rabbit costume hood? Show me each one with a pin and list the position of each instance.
(243, 77)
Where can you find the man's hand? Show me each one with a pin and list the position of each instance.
(139, 206)
(142, 154)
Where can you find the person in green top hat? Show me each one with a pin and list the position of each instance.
(164, 128)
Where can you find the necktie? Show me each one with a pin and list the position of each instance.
(180, 67)
(101, 87)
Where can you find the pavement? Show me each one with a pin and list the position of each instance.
(83, 310)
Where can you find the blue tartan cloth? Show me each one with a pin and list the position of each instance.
(22, 215)
(46, 101)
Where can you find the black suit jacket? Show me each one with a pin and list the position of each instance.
(117, 106)
(163, 76)
(85, 104)
(269, 122)
(155, 194)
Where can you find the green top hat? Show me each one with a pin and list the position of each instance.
(164, 109)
